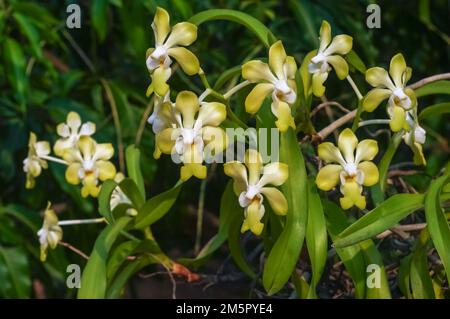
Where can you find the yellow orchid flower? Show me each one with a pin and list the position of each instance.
(118, 197)
(415, 137)
(194, 133)
(51, 233)
(278, 78)
(70, 132)
(169, 43)
(329, 53)
(88, 163)
(157, 120)
(391, 85)
(352, 170)
(33, 164)
(249, 184)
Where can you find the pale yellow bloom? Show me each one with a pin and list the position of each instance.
(34, 164)
(70, 132)
(352, 170)
(278, 78)
(88, 163)
(158, 121)
(415, 136)
(170, 43)
(51, 233)
(194, 133)
(250, 185)
(329, 55)
(118, 197)
(391, 85)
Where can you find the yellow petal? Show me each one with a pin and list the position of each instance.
(63, 130)
(379, 77)
(352, 196)
(186, 59)
(274, 174)
(341, 44)
(165, 140)
(366, 150)
(276, 200)
(183, 33)
(106, 170)
(397, 69)
(318, 79)
(370, 171)
(257, 71)
(255, 212)
(159, 80)
(238, 173)
(215, 139)
(193, 169)
(290, 67)
(90, 186)
(212, 113)
(161, 25)
(284, 117)
(328, 177)
(347, 143)
(374, 98)
(339, 65)
(412, 95)
(325, 35)
(330, 153)
(253, 161)
(419, 158)
(87, 146)
(104, 151)
(187, 104)
(72, 173)
(73, 120)
(277, 57)
(397, 118)
(256, 97)
(42, 148)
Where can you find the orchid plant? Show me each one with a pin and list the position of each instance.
(192, 130)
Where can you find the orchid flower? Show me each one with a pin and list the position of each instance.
(352, 170)
(278, 78)
(329, 55)
(250, 185)
(170, 43)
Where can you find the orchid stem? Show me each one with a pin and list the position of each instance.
(81, 221)
(54, 159)
(235, 89)
(205, 82)
(354, 87)
(371, 122)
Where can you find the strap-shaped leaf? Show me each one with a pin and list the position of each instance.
(438, 87)
(254, 25)
(433, 110)
(133, 156)
(284, 254)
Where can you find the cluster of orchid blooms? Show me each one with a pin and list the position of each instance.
(189, 128)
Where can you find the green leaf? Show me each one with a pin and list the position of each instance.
(306, 76)
(305, 20)
(433, 110)
(234, 244)
(156, 207)
(351, 256)
(404, 276)
(383, 217)
(421, 283)
(229, 208)
(15, 68)
(99, 17)
(354, 60)
(373, 257)
(131, 190)
(385, 162)
(284, 254)
(438, 87)
(316, 236)
(226, 76)
(93, 280)
(30, 31)
(254, 25)
(104, 198)
(301, 286)
(133, 156)
(437, 222)
(15, 278)
(118, 256)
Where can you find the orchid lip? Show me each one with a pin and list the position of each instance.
(252, 191)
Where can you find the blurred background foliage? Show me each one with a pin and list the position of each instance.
(48, 70)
